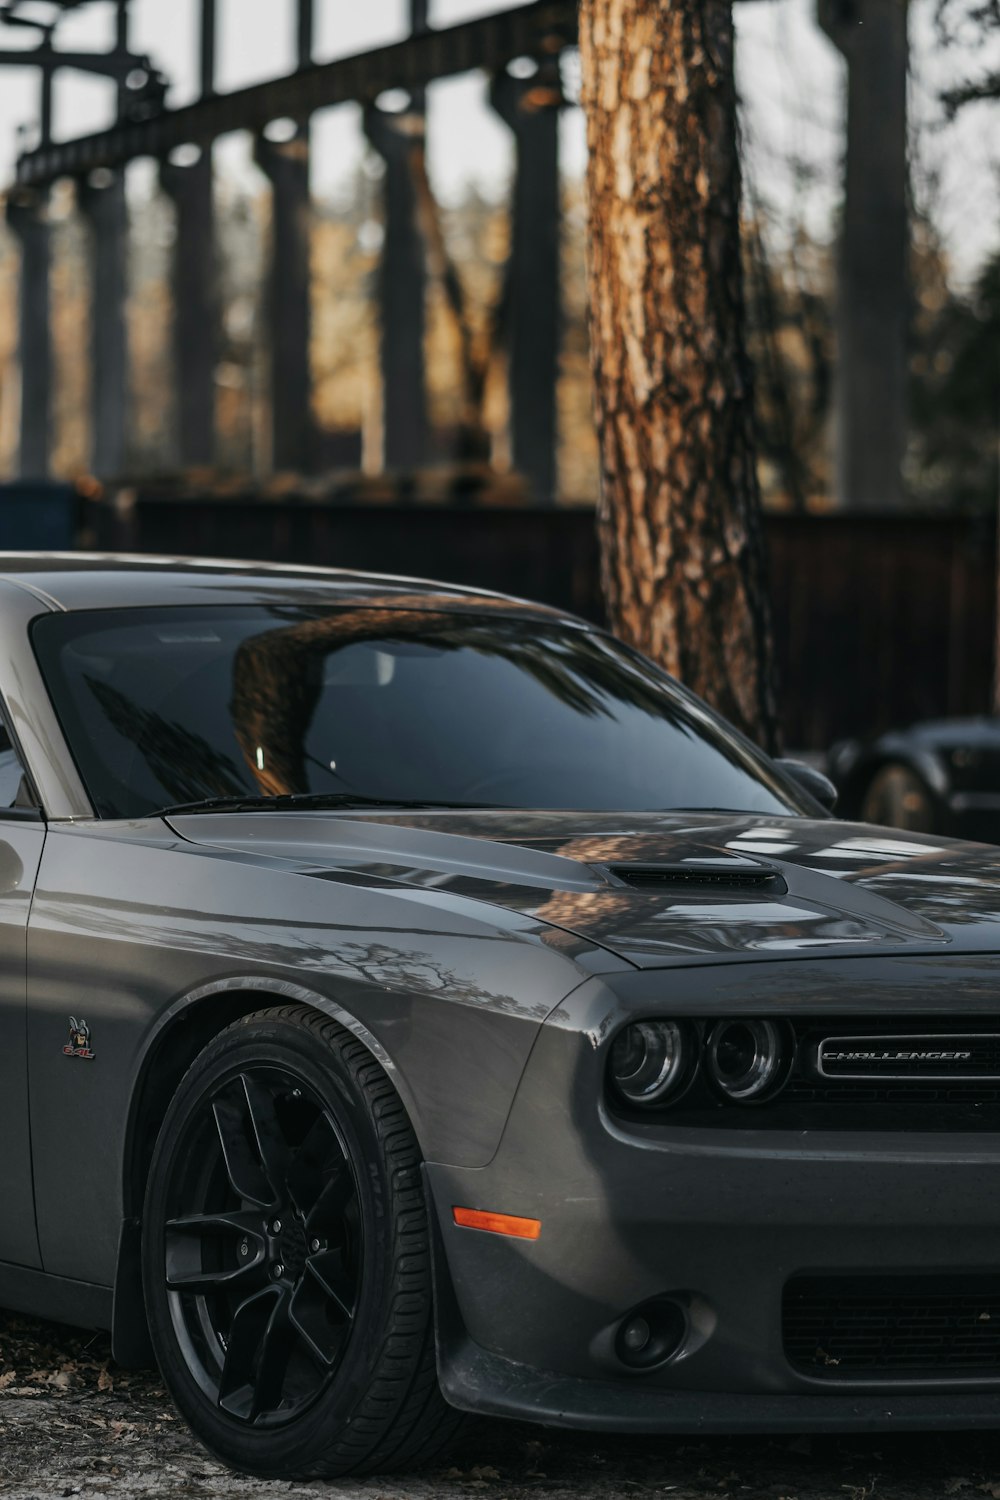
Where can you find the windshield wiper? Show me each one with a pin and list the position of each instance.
(290, 801)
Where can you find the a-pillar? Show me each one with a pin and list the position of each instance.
(28, 218)
(402, 286)
(872, 285)
(530, 107)
(194, 285)
(102, 202)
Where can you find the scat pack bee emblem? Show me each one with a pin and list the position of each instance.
(79, 1040)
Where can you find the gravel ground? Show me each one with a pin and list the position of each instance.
(72, 1424)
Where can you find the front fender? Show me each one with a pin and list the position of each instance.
(133, 935)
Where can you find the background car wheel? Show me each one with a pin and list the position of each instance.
(899, 798)
(286, 1256)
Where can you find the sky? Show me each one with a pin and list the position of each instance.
(790, 77)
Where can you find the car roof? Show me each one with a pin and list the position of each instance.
(94, 580)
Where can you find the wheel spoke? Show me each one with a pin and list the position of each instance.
(184, 1251)
(272, 1366)
(319, 1157)
(238, 1222)
(330, 1274)
(322, 1308)
(243, 1167)
(272, 1147)
(254, 1149)
(327, 1214)
(212, 1281)
(237, 1388)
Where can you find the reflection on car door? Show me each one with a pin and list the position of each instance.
(21, 838)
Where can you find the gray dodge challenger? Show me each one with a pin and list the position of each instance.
(415, 1003)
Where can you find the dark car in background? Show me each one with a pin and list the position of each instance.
(940, 776)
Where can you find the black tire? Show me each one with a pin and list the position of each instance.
(286, 1206)
(897, 797)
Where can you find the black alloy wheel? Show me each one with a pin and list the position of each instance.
(286, 1248)
(265, 1251)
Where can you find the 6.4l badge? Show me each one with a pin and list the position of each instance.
(79, 1040)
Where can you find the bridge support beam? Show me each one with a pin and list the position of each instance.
(288, 301)
(102, 203)
(289, 280)
(530, 107)
(28, 218)
(194, 284)
(872, 284)
(399, 140)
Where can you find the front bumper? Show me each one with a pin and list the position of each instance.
(718, 1221)
(473, 1380)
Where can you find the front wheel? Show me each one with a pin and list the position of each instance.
(286, 1256)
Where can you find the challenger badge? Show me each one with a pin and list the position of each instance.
(924, 1057)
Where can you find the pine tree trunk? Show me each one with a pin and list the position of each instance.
(679, 516)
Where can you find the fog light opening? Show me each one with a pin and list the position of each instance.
(636, 1334)
(650, 1335)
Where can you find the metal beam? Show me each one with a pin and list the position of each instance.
(289, 300)
(50, 59)
(207, 46)
(402, 290)
(304, 33)
(103, 206)
(196, 307)
(540, 28)
(530, 107)
(28, 217)
(11, 12)
(872, 281)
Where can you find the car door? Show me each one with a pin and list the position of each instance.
(22, 834)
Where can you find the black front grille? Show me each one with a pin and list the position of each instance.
(913, 1054)
(810, 1101)
(972, 1102)
(718, 879)
(892, 1095)
(843, 1327)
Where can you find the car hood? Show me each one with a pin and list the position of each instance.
(655, 888)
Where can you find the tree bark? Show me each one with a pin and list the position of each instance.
(679, 514)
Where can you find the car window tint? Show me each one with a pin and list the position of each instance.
(166, 706)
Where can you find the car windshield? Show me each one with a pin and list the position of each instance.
(167, 706)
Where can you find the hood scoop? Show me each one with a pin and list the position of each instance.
(720, 879)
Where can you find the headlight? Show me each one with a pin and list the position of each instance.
(649, 1061)
(748, 1060)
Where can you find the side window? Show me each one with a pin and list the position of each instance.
(14, 790)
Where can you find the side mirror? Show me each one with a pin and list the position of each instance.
(820, 788)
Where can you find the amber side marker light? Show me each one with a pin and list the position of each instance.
(477, 1218)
